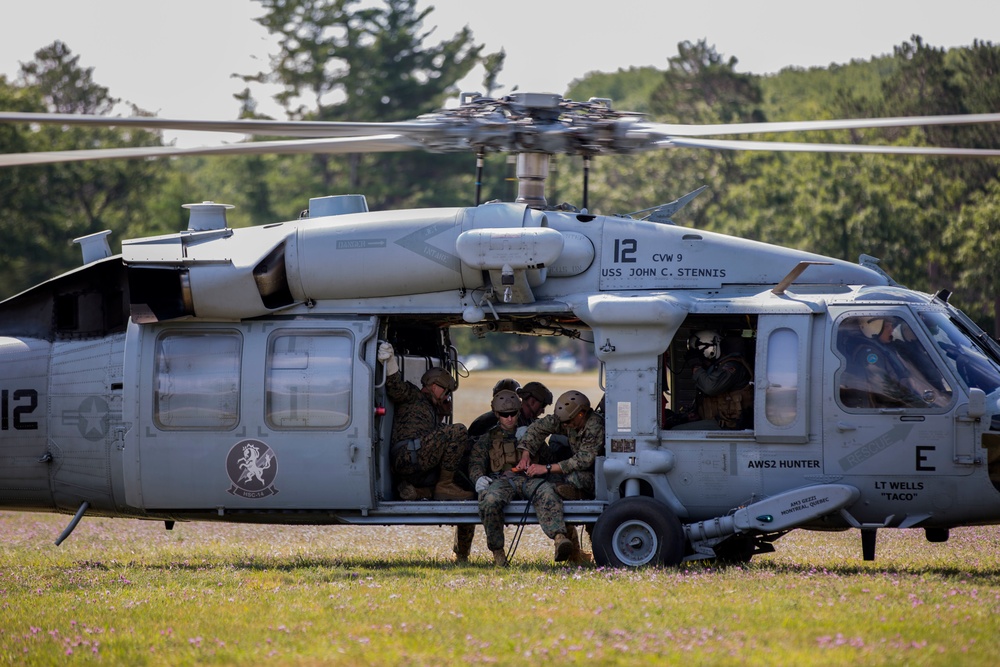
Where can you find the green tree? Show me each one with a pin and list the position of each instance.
(977, 236)
(628, 89)
(57, 203)
(699, 86)
(702, 86)
(341, 61)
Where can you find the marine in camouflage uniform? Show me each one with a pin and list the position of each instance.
(534, 398)
(583, 429)
(493, 465)
(584, 433)
(421, 444)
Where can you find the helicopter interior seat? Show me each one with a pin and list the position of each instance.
(854, 388)
(860, 385)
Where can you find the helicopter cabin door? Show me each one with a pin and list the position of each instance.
(891, 408)
(258, 415)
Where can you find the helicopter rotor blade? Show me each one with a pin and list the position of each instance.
(519, 123)
(794, 147)
(675, 130)
(302, 129)
(375, 144)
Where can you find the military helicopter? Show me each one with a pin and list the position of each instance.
(226, 374)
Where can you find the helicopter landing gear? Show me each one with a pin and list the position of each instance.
(736, 550)
(868, 543)
(638, 531)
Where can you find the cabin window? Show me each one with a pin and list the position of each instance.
(309, 381)
(782, 396)
(197, 380)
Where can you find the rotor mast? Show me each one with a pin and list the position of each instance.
(532, 170)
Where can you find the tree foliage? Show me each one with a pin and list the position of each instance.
(49, 205)
(340, 60)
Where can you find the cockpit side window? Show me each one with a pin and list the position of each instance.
(886, 365)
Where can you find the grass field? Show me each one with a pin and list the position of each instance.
(129, 592)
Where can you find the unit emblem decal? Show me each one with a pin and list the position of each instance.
(252, 467)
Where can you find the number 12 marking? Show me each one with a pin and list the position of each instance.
(625, 251)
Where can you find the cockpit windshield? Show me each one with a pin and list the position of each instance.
(974, 364)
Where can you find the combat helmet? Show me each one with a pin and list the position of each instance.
(570, 404)
(440, 377)
(538, 391)
(506, 401)
(506, 383)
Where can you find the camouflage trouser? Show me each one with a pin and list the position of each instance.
(464, 532)
(442, 447)
(548, 506)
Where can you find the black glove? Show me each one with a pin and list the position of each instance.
(694, 358)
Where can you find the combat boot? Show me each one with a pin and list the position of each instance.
(500, 558)
(463, 542)
(564, 548)
(578, 555)
(446, 489)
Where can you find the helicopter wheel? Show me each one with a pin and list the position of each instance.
(638, 531)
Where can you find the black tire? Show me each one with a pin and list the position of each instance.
(638, 531)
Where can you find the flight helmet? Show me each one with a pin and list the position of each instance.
(871, 326)
(707, 342)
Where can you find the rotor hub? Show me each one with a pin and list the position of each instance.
(533, 123)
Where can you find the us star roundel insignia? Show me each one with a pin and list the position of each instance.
(91, 418)
(252, 467)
